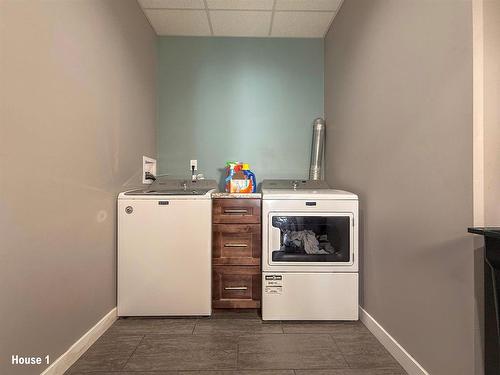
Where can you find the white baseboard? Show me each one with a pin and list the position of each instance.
(66, 360)
(411, 366)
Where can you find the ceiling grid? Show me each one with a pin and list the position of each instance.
(272, 19)
(208, 17)
(242, 18)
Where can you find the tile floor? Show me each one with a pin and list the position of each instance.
(235, 343)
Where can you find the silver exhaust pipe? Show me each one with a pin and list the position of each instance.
(316, 171)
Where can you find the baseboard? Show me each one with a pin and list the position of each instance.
(404, 358)
(66, 360)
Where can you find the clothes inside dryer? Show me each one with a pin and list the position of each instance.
(312, 239)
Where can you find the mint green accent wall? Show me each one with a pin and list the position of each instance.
(244, 99)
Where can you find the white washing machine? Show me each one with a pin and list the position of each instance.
(165, 249)
(309, 251)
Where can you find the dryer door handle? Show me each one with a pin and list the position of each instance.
(274, 240)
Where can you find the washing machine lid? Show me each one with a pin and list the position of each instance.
(302, 189)
(173, 189)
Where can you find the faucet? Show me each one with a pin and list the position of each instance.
(149, 176)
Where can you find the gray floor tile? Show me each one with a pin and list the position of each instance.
(239, 372)
(321, 358)
(371, 360)
(107, 354)
(184, 360)
(380, 371)
(235, 343)
(359, 344)
(350, 331)
(127, 373)
(148, 326)
(100, 362)
(285, 343)
(156, 344)
(235, 327)
(108, 344)
(235, 314)
(334, 328)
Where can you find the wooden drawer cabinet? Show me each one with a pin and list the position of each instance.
(236, 286)
(236, 250)
(236, 211)
(238, 244)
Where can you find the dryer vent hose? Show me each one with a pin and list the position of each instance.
(316, 170)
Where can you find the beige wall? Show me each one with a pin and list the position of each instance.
(77, 112)
(491, 97)
(398, 102)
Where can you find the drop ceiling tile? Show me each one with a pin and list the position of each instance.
(240, 23)
(241, 4)
(179, 22)
(320, 5)
(172, 4)
(301, 24)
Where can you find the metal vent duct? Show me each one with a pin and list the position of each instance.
(317, 150)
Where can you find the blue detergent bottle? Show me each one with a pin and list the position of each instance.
(251, 176)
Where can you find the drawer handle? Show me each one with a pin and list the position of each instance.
(235, 288)
(235, 245)
(233, 211)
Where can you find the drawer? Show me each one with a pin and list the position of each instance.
(236, 286)
(236, 244)
(239, 211)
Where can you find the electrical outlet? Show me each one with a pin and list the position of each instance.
(193, 163)
(148, 165)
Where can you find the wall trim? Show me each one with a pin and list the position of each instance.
(404, 358)
(66, 360)
(478, 112)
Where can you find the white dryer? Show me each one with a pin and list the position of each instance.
(309, 251)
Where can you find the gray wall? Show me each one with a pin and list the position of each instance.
(398, 103)
(77, 112)
(246, 99)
